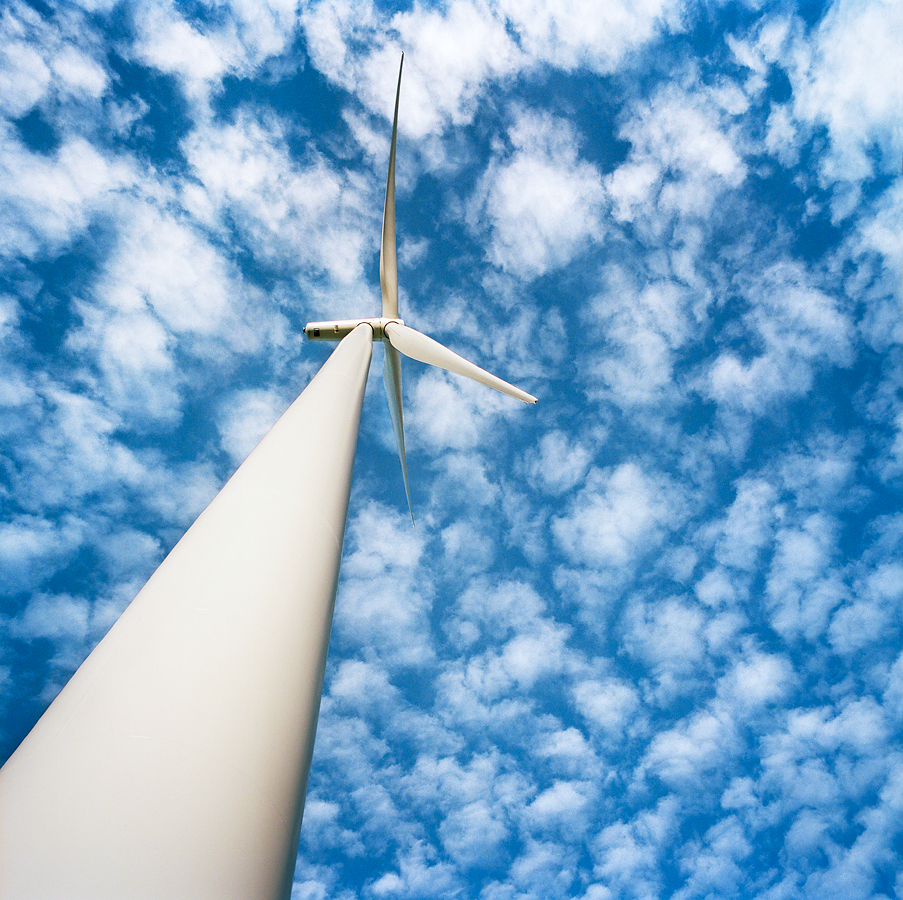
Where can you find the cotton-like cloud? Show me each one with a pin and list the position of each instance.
(748, 524)
(567, 752)
(716, 864)
(24, 78)
(689, 757)
(869, 613)
(475, 835)
(451, 413)
(418, 871)
(644, 325)
(609, 706)
(627, 855)
(41, 60)
(31, 548)
(757, 680)
(485, 611)
(802, 589)
(572, 33)
(305, 215)
(668, 635)
(848, 80)
(542, 202)
(559, 463)
(239, 41)
(683, 156)
(48, 201)
(384, 610)
(618, 514)
(563, 809)
(48, 616)
(801, 328)
(450, 54)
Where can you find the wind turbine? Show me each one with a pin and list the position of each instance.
(174, 764)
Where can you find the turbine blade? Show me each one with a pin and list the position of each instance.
(392, 378)
(420, 347)
(388, 256)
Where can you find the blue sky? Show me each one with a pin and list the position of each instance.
(645, 640)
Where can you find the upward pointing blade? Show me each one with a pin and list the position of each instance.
(392, 378)
(418, 346)
(388, 258)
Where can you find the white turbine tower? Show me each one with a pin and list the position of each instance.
(174, 764)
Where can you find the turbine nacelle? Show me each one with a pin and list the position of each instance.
(340, 328)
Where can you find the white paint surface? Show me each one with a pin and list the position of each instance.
(174, 764)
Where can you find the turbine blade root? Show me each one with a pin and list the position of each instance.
(420, 347)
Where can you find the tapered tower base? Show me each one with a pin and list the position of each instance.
(174, 764)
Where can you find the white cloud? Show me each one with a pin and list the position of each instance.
(134, 351)
(453, 52)
(474, 835)
(128, 551)
(31, 548)
(487, 611)
(620, 513)
(610, 706)
(628, 854)
(50, 62)
(748, 525)
(848, 79)
(71, 452)
(715, 865)
(59, 616)
(643, 324)
(543, 869)
(756, 680)
(419, 873)
(163, 288)
(171, 44)
(538, 653)
(80, 74)
(384, 600)
(164, 265)
(46, 201)
(688, 757)
(449, 55)
(361, 685)
(451, 413)
(307, 216)
(801, 328)
(239, 39)
(573, 33)
(559, 463)
(668, 636)
(682, 158)
(802, 587)
(719, 588)
(567, 752)
(871, 611)
(24, 78)
(543, 203)
(564, 809)
(827, 757)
